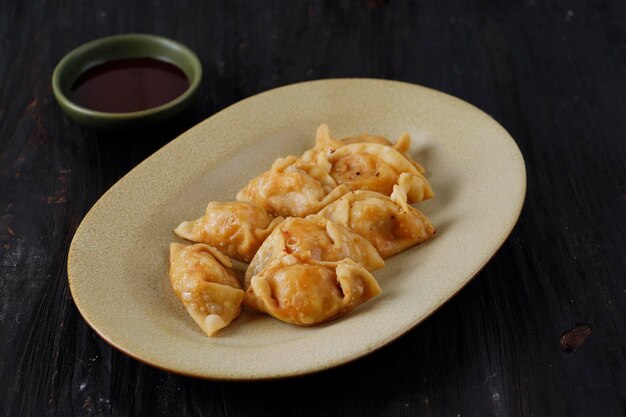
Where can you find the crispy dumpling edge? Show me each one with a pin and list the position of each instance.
(189, 228)
(324, 142)
(209, 323)
(332, 229)
(264, 298)
(339, 211)
(312, 169)
(419, 189)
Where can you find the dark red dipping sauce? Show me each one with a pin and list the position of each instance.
(129, 85)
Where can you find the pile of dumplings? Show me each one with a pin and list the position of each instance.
(312, 229)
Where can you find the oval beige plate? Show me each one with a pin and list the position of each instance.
(118, 259)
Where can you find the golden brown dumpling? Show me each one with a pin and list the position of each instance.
(235, 228)
(325, 144)
(370, 163)
(204, 282)
(292, 188)
(389, 223)
(317, 238)
(303, 291)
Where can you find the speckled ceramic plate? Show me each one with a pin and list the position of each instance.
(118, 260)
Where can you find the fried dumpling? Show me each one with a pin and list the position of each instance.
(292, 188)
(389, 223)
(370, 163)
(325, 143)
(374, 167)
(235, 228)
(317, 238)
(205, 283)
(300, 290)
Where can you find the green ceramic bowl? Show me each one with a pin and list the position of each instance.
(117, 47)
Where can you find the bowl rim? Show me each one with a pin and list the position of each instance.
(70, 106)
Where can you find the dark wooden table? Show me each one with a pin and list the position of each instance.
(539, 332)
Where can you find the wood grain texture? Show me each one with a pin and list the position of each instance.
(552, 73)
